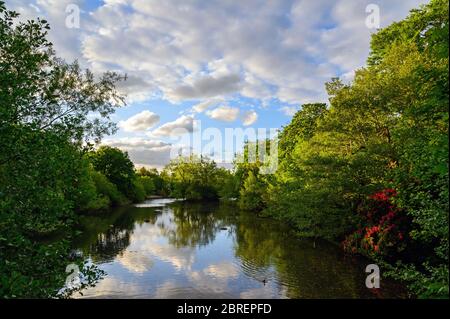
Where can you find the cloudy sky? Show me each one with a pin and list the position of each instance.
(195, 64)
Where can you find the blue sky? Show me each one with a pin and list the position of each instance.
(229, 64)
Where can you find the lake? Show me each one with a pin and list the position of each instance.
(165, 248)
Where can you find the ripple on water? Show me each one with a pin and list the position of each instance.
(157, 202)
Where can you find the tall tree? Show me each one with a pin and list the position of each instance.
(46, 108)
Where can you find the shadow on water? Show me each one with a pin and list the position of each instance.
(170, 249)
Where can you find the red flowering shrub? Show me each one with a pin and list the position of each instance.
(382, 230)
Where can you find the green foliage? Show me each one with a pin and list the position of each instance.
(148, 184)
(427, 27)
(429, 282)
(106, 189)
(192, 178)
(422, 173)
(99, 192)
(116, 166)
(250, 195)
(386, 129)
(45, 92)
(301, 127)
(229, 184)
(39, 188)
(87, 197)
(153, 182)
(418, 62)
(138, 190)
(315, 184)
(117, 180)
(44, 108)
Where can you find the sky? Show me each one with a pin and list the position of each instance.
(197, 68)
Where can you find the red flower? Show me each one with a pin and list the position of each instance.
(381, 223)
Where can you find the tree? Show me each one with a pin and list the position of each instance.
(417, 58)
(118, 169)
(44, 108)
(228, 184)
(192, 178)
(152, 180)
(301, 127)
(386, 130)
(45, 93)
(250, 195)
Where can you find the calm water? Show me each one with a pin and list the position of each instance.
(166, 249)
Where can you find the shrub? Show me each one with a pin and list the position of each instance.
(148, 183)
(383, 229)
(107, 189)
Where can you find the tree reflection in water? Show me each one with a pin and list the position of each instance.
(107, 235)
(193, 224)
(265, 258)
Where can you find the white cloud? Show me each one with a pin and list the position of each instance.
(202, 50)
(288, 110)
(136, 262)
(249, 118)
(111, 287)
(167, 290)
(200, 107)
(127, 143)
(207, 86)
(182, 125)
(222, 270)
(140, 122)
(143, 152)
(265, 292)
(66, 43)
(135, 88)
(224, 113)
(230, 114)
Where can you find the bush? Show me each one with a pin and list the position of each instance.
(251, 194)
(192, 178)
(107, 189)
(149, 185)
(137, 192)
(384, 227)
(117, 167)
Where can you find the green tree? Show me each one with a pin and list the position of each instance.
(117, 168)
(192, 178)
(301, 127)
(388, 128)
(417, 58)
(152, 180)
(44, 108)
(251, 193)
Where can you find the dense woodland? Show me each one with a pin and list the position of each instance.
(369, 170)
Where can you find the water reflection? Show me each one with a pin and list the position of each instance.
(167, 249)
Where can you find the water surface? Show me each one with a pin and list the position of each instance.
(170, 249)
